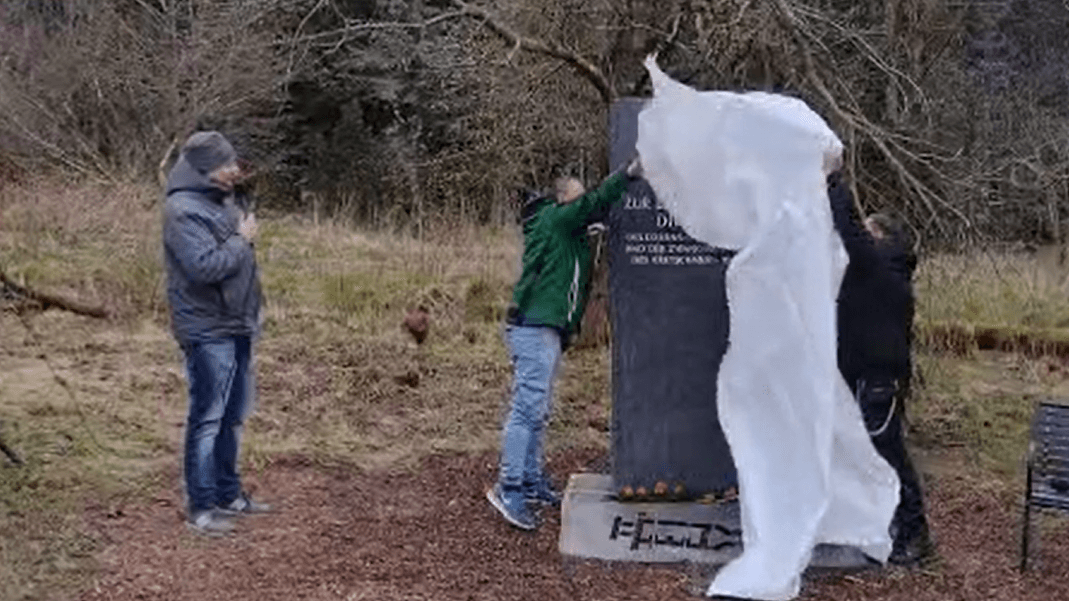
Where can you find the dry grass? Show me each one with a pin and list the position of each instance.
(993, 288)
(345, 382)
(97, 408)
(72, 391)
(350, 385)
(97, 242)
(978, 402)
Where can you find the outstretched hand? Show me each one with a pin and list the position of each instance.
(634, 168)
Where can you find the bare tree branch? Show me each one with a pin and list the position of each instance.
(873, 132)
(362, 26)
(672, 35)
(293, 61)
(582, 65)
(161, 173)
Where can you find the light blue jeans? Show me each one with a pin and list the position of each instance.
(220, 393)
(535, 353)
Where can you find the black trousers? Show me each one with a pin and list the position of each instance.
(882, 407)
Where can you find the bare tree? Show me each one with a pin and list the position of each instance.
(102, 88)
(953, 113)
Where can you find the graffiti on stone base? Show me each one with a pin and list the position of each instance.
(646, 531)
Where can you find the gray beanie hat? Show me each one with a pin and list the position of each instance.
(207, 151)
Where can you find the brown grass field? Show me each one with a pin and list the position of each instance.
(379, 450)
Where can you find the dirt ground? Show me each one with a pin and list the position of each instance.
(430, 534)
(350, 533)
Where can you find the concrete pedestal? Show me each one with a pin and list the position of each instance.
(596, 526)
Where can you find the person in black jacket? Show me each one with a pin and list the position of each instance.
(875, 319)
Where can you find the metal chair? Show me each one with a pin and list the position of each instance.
(1047, 483)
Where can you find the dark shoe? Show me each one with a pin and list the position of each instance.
(542, 492)
(916, 551)
(209, 523)
(512, 505)
(244, 505)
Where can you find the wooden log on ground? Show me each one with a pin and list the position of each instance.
(53, 300)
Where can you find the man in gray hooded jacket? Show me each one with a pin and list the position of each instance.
(213, 290)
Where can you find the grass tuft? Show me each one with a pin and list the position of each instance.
(483, 300)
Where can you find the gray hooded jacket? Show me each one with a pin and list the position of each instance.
(212, 280)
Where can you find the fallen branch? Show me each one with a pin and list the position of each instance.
(11, 454)
(52, 300)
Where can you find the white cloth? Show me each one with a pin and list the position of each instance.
(747, 172)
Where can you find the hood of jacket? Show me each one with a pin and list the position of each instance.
(185, 178)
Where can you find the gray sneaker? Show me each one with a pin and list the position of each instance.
(512, 506)
(207, 523)
(244, 505)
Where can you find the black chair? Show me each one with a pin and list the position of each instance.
(1047, 484)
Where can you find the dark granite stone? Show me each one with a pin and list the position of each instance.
(670, 331)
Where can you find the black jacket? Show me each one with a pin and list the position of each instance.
(875, 309)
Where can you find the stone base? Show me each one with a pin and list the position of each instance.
(594, 525)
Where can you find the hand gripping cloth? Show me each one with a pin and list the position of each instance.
(747, 172)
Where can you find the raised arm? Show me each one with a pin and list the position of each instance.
(577, 214)
(858, 241)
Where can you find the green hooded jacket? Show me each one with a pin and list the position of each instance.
(552, 288)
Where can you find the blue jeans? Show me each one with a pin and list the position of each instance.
(535, 354)
(221, 388)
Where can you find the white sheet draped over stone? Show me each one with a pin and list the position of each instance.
(747, 172)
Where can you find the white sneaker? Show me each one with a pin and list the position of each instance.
(207, 523)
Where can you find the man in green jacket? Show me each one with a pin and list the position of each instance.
(547, 305)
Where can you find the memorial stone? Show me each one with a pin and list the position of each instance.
(670, 331)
